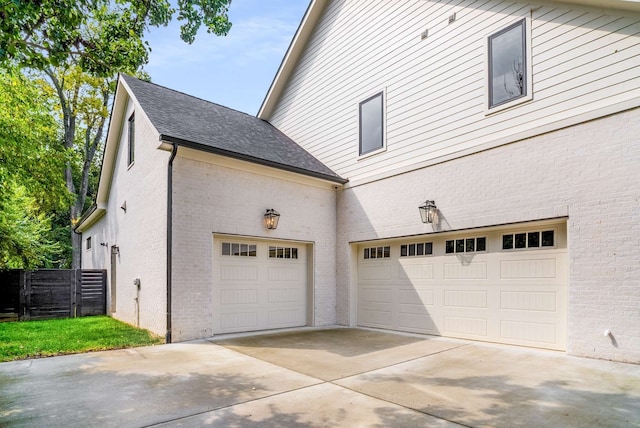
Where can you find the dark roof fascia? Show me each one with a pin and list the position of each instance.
(248, 158)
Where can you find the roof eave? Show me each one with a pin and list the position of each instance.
(95, 213)
(252, 159)
(295, 50)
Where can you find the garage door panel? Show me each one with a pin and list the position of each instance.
(239, 272)
(465, 298)
(377, 295)
(234, 321)
(376, 318)
(421, 323)
(474, 270)
(535, 333)
(376, 272)
(285, 273)
(539, 301)
(530, 268)
(284, 295)
(238, 296)
(466, 327)
(415, 272)
(422, 297)
(284, 317)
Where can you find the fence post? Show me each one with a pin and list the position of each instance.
(76, 290)
(104, 291)
(25, 295)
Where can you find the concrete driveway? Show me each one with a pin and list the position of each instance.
(334, 377)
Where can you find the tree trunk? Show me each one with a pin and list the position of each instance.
(76, 238)
(76, 250)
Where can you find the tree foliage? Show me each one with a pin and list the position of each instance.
(80, 46)
(101, 36)
(31, 171)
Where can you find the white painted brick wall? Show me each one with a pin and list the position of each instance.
(140, 232)
(211, 199)
(590, 172)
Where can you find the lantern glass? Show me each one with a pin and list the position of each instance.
(427, 211)
(271, 218)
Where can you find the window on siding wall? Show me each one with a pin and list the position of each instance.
(508, 68)
(132, 136)
(88, 243)
(372, 124)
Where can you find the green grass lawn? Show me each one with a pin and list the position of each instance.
(35, 339)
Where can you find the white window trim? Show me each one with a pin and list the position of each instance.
(384, 125)
(529, 96)
(130, 139)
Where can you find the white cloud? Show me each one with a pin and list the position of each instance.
(235, 70)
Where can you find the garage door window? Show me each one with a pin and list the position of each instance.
(466, 245)
(420, 249)
(240, 250)
(283, 252)
(522, 240)
(377, 253)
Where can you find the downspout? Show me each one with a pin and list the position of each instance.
(174, 151)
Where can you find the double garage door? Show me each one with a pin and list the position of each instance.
(258, 285)
(499, 285)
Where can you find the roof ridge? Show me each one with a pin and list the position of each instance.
(191, 96)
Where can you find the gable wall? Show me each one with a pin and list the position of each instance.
(585, 63)
(212, 198)
(140, 232)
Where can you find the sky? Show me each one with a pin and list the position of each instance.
(234, 70)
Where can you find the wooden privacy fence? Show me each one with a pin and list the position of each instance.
(55, 293)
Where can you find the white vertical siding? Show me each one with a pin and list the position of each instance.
(583, 61)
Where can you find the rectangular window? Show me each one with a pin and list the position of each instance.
(420, 249)
(88, 243)
(372, 124)
(547, 238)
(132, 136)
(377, 253)
(466, 245)
(528, 240)
(239, 250)
(508, 68)
(283, 252)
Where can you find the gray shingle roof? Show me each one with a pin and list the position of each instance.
(192, 122)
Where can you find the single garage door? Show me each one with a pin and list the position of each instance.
(258, 285)
(505, 285)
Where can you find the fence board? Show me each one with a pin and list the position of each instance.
(52, 293)
(93, 292)
(10, 294)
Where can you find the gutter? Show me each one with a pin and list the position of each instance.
(174, 152)
(248, 158)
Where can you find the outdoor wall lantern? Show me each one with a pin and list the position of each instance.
(428, 211)
(271, 218)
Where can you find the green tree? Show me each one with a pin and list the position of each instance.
(72, 40)
(101, 36)
(31, 171)
(83, 106)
